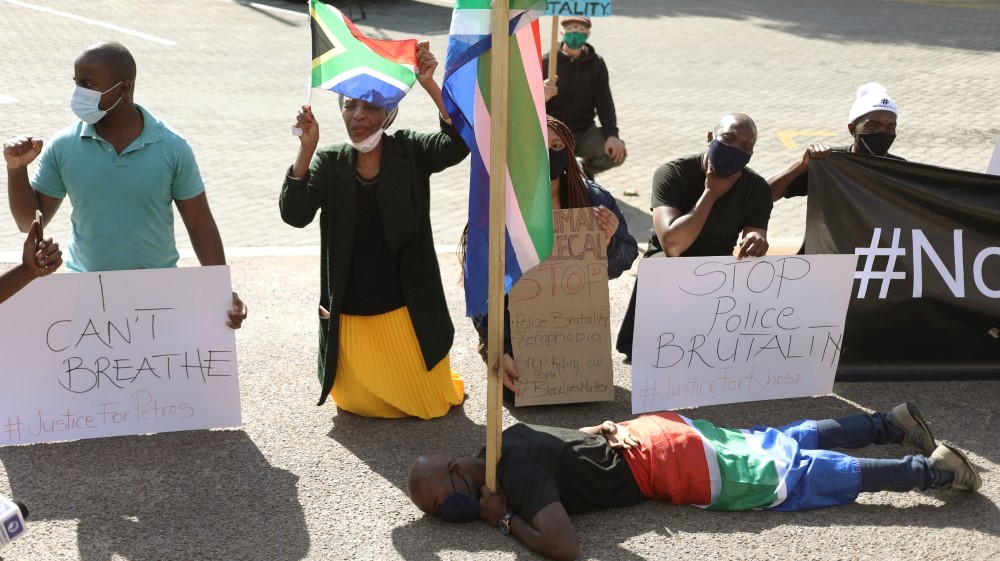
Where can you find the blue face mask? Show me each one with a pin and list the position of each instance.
(458, 506)
(557, 162)
(726, 160)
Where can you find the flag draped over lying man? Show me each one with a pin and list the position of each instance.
(467, 98)
(378, 71)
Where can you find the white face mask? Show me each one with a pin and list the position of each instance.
(86, 104)
(368, 144)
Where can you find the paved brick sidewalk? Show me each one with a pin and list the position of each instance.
(232, 81)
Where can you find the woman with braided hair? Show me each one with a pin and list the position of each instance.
(570, 189)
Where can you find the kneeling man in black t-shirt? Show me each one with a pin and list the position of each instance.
(704, 204)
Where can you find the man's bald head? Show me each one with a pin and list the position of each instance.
(421, 480)
(738, 130)
(112, 56)
(433, 477)
(737, 121)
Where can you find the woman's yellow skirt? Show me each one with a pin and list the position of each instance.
(381, 372)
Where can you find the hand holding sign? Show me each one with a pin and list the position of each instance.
(511, 376)
(238, 313)
(549, 87)
(607, 221)
(41, 256)
(38, 258)
(753, 244)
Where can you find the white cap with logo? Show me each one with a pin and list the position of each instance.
(871, 97)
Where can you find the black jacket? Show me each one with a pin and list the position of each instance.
(408, 160)
(584, 91)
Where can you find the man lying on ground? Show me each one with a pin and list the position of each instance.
(547, 473)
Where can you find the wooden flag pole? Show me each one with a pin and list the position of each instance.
(553, 47)
(498, 188)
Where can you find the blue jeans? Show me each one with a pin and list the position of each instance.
(857, 431)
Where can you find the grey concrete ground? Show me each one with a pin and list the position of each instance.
(304, 482)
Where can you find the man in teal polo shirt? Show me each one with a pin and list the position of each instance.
(123, 169)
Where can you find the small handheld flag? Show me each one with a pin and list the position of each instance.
(378, 71)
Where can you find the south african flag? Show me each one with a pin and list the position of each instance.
(684, 461)
(466, 93)
(378, 71)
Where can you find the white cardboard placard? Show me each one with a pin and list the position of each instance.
(713, 330)
(90, 355)
(560, 317)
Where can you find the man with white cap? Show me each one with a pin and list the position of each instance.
(583, 91)
(872, 123)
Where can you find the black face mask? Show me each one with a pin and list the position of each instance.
(557, 162)
(458, 506)
(726, 160)
(875, 143)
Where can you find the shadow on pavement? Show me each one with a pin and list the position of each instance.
(912, 22)
(164, 496)
(962, 412)
(426, 537)
(388, 446)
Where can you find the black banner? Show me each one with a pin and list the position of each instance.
(926, 296)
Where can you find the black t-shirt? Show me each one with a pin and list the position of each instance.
(799, 187)
(373, 281)
(540, 465)
(680, 183)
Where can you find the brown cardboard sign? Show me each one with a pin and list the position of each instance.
(560, 317)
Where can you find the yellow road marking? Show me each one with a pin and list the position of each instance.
(788, 137)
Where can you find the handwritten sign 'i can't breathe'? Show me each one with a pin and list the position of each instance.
(712, 330)
(89, 355)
